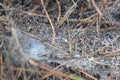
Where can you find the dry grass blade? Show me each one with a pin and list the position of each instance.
(1, 66)
(81, 20)
(49, 74)
(90, 21)
(69, 42)
(3, 18)
(29, 13)
(87, 74)
(97, 8)
(59, 14)
(71, 9)
(1, 43)
(109, 54)
(25, 70)
(52, 26)
(50, 70)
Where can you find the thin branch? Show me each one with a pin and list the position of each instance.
(54, 72)
(109, 54)
(52, 26)
(97, 8)
(59, 8)
(71, 9)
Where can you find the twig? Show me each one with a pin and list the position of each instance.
(71, 9)
(1, 43)
(52, 26)
(69, 43)
(1, 66)
(109, 54)
(34, 8)
(81, 20)
(19, 74)
(50, 70)
(90, 21)
(87, 74)
(27, 12)
(59, 8)
(25, 70)
(53, 72)
(49, 74)
(97, 8)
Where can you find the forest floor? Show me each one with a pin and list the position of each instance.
(82, 38)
